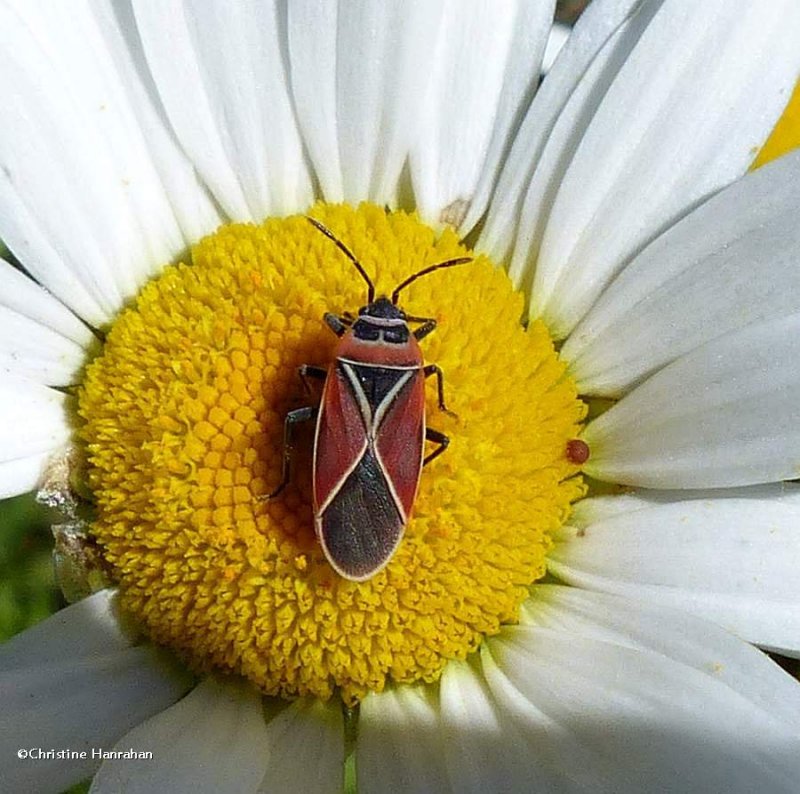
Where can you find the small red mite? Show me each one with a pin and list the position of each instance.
(577, 451)
(369, 446)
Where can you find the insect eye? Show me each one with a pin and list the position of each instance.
(365, 330)
(396, 335)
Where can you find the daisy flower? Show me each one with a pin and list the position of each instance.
(549, 622)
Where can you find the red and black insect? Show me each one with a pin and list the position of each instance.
(371, 432)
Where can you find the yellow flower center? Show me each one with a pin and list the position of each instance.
(184, 414)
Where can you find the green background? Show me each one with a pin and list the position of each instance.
(27, 583)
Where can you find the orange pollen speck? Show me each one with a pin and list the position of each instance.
(577, 451)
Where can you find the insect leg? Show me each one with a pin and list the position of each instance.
(438, 438)
(307, 371)
(434, 369)
(337, 324)
(428, 325)
(292, 418)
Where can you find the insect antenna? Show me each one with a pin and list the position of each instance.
(462, 260)
(348, 253)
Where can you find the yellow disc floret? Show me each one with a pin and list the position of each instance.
(184, 419)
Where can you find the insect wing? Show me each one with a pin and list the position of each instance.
(368, 456)
(341, 438)
(400, 438)
(361, 526)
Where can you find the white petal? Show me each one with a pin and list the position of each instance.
(598, 508)
(24, 296)
(33, 351)
(555, 43)
(484, 749)
(23, 474)
(685, 116)
(34, 418)
(674, 634)
(35, 426)
(81, 202)
(726, 414)
(211, 741)
(399, 744)
(593, 693)
(471, 728)
(604, 716)
(85, 629)
(733, 561)
(39, 337)
(190, 200)
(306, 749)
(75, 684)
(313, 55)
(552, 128)
(486, 65)
(731, 262)
(358, 72)
(220, 73)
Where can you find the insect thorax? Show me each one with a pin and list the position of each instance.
(382, 321)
